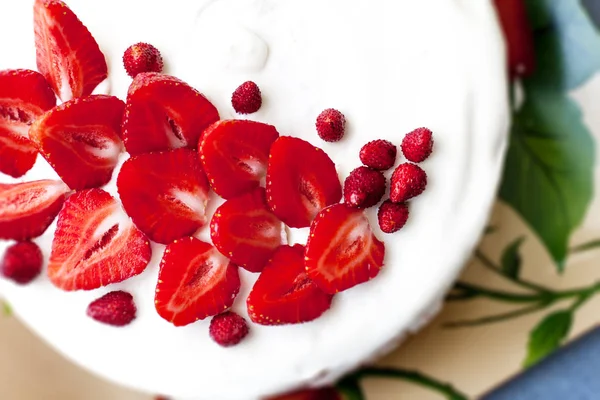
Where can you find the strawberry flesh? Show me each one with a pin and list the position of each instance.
(27, 209)
(235, 154)
(81, 140)
(342, 250)
(67, 53)
(164, 113)
(301, 181)
(165, 193)
(195, 282)
(284, 294)
(246, 231)
(24, 96)
(95, 244)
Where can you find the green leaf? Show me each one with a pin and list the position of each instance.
(548, 176)
(6, 309)
(567, 43)
(548, 336)
(350, 388)
(511, 259)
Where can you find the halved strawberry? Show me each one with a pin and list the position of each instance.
(283, 293)
(81, 139)
(165, 193)
(27, 209)
(246, 231)
(164, 113)
(519, 36)
(24, 96)
(301, 181)
(342, 251)
(67, 53)
(235, 155)
(95, 243)
(195, 282)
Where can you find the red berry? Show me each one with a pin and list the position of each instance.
(392, 216)
(518, 35)
(331, 125)
(247, 98)
(364, 187)
(311, 394)
(301, 181)
(195, 282)
(81, 139)
(408, 181)
(114, 308)
(95, 243)
(21, 263)
(165, 193)
(66, 52)
(235, 154)
(24, 96)
(417, 145)
(27, 209)
(142, 57)
(246, 231)
(342, 250)
(228, 329)
(164, 113)
(284, 294)
(379, 154)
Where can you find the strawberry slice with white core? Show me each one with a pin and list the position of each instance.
(164, 113)
(95, 243)
(342, 250)
(165, 194)
(235, 154)
(81, 139)
(27, 209)
(195, 282)
(246, 231)
(67, 53)
(301, 181)
(24, 96)
(284, 294)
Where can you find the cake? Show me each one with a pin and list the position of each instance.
(390, 67)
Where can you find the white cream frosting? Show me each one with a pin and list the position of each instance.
(389, 66)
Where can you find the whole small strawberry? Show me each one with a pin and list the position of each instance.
(392, 216)
(22, 263)
(364, 187)
(142, 57)
(247, 98)
(228, 329)
(331, 125)
(115, 308)
(408, 181)
(379, 154)
(418, 145)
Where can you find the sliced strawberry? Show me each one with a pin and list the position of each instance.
(165, 193)
(246, 231)
(67, 53)
(164, 113)
(27, 209)
(24, 96)
(235, 155)
(301, 181)
(195, 282)
(283, 294)
(81, 139)
(519, 36)
(342, 251)
(95, 243)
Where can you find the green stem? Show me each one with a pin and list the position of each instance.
(593, 245)
(489, 264)
(503, 296)
(412, 376)
(496, 318)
